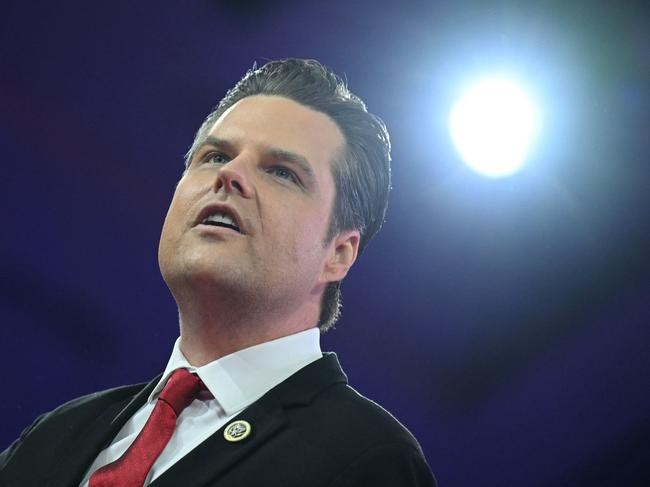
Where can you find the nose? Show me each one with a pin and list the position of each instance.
(233, 178)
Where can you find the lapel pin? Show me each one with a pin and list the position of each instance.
(237, 430)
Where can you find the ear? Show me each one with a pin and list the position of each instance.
(343, 252)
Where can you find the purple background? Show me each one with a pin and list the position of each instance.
(504, 322)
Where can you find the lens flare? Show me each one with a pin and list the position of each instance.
(493, 127)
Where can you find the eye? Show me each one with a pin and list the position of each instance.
(283, 173)
(215, 158)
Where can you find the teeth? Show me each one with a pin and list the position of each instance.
(221, 218)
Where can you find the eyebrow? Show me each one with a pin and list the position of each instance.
(274, 152)
(214, 142)
(293, 158)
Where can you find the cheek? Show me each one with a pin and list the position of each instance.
(185, 195)
(167, 245)
(171, 219)
(177, 215)
(307, 233)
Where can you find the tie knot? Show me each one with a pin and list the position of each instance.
(181, 389)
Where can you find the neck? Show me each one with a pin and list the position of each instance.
(212, 328)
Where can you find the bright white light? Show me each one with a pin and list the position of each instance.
(493, 125)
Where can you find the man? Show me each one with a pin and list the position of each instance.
(285, 183)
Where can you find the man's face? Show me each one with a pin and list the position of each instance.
(251, 213)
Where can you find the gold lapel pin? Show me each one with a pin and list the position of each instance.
(237, 430)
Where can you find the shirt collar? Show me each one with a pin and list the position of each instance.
(239, 379)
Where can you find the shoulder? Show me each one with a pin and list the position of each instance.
(56, 427)
(321, 391)
(90, 405)
(115, 394)
(358, 420)
(349, 439)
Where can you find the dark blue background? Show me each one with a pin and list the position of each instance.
(505, 322)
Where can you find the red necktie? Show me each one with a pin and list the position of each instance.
(132, 467)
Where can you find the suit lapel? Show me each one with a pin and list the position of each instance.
(267, 417)
(215, 456)
(134, 404)
(92, 440)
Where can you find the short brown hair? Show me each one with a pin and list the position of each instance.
(361, 174)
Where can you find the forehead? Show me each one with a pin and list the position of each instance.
(272, 121)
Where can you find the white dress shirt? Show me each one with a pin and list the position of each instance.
(234, 381)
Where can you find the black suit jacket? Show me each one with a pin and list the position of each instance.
(311, 430)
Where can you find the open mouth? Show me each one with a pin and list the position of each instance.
(221, 219)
